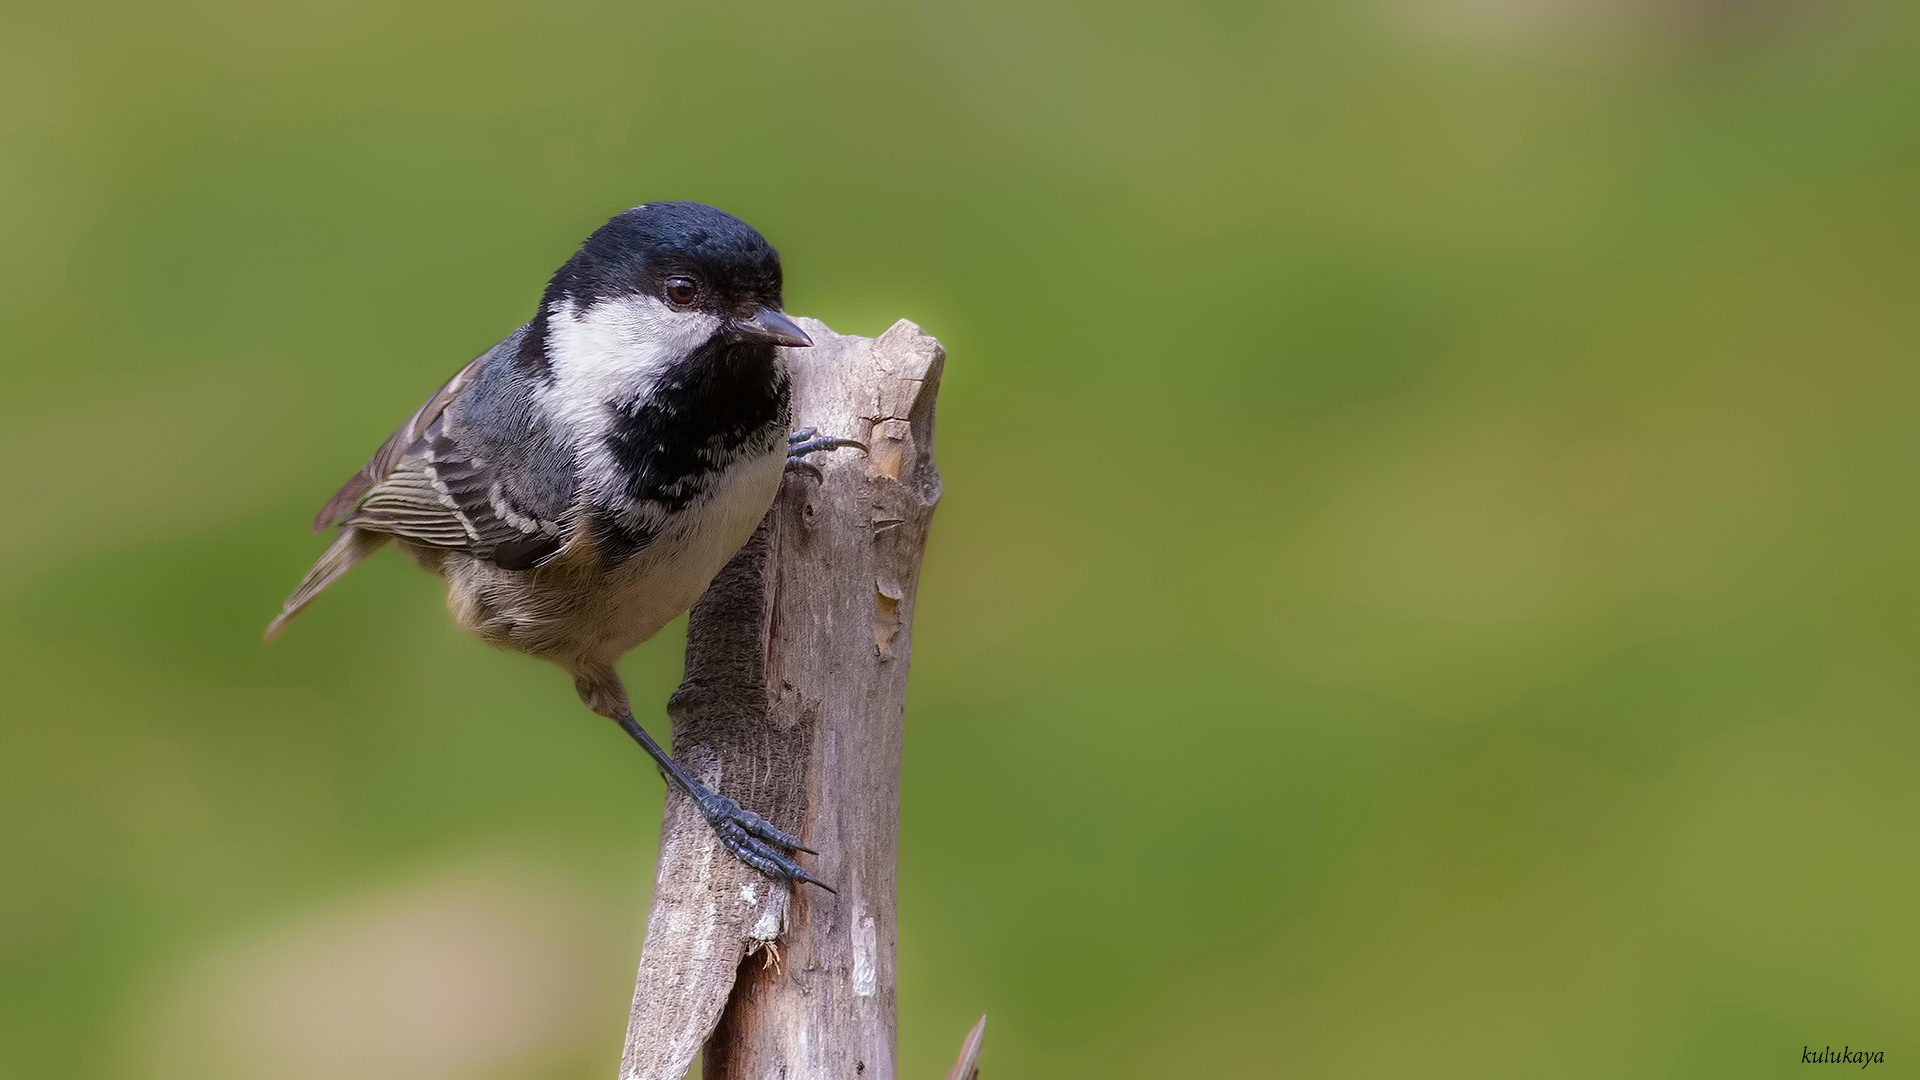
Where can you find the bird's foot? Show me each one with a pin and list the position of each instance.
(810, 441)
(753, 840)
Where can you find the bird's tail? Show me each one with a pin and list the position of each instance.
(348, 548)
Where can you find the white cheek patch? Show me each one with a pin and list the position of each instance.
(614, 351)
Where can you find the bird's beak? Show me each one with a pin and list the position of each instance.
(770, 325)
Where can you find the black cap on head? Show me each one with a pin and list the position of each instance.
(688, 254)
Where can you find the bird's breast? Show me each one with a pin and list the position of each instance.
(649, 587)
(585, 608)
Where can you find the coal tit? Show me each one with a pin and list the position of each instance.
(580, 483)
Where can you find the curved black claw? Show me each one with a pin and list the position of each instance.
(754, 840)
(809, 441)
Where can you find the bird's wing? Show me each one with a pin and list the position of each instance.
(439, 493)
(388, 457)
(432, 482)
(484, 476)
(442, 493)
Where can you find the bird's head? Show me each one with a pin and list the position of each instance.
(674, 276)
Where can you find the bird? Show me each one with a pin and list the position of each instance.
(579, 484)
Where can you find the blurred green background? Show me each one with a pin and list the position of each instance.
(1426, 585)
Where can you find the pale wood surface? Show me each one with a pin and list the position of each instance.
(793, 703)
(967, 1065)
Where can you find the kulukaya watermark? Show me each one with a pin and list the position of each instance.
(1846, 1055)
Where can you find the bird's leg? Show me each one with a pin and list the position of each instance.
(752, 839)
(809, 441)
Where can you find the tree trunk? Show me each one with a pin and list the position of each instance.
(792, 704)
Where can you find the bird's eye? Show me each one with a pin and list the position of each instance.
(682, 291)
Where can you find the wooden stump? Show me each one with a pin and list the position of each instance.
(793, 704)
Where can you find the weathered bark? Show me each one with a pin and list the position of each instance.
(793, 704)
